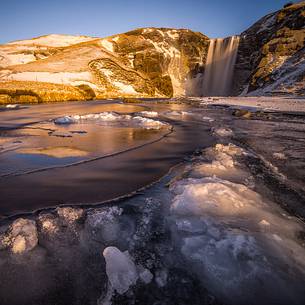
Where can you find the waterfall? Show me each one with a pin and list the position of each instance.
(219, 67)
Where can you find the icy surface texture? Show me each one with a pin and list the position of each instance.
(114, 118)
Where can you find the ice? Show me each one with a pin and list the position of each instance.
(208, 119)
(21, 236)
(121, 270)
(12, 106)
(106, 223)
(148, 123)
(223, 131)
(70, 215)
(151, 114)
(161, 277)
(145, 275)
(112, 117)
(230, 236)
(279, 156)
(223, 164)
(65, 120)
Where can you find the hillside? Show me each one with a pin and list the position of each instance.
(141, 63)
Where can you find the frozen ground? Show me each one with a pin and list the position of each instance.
(226, 226)
(287, 104)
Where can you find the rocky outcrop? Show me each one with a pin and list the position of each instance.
(146, 62)
(271, 56)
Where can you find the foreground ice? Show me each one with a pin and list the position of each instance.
(121, 270)
(222, 164)
(242, 246)
(112, 117)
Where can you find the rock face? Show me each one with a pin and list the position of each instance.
(146, 62)
(271, 56)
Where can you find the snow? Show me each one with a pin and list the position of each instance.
(258, 102)
(53, 40)
(269, 21)
(124, 88)
(148, 123)
(112, 117)
(9, 59)
(70, 78)
(12, 106)
(120, 269)
(173, 34)
(108, 45)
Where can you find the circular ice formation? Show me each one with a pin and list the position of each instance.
(112, 117)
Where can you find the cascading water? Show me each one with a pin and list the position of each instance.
(219, 67)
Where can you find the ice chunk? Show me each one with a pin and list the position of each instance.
(121, 270)
(148, 123)
(21, 236)
(223, 132)
(151, 114)
(65, 120)
(224, 164)
(70, 215)
(208, 119)
(213, 196)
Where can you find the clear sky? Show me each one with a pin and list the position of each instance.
(22, 19)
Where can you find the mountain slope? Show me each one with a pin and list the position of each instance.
(142, 63)
(271, 56)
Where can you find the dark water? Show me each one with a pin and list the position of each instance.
(98, 180)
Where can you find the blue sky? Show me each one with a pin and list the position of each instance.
(22, 19)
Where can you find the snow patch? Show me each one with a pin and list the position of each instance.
(129, 89)
(69, 78)
(108, 45)
(53, 40)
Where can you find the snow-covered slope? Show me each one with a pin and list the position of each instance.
(142, 63)
(53, 40)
